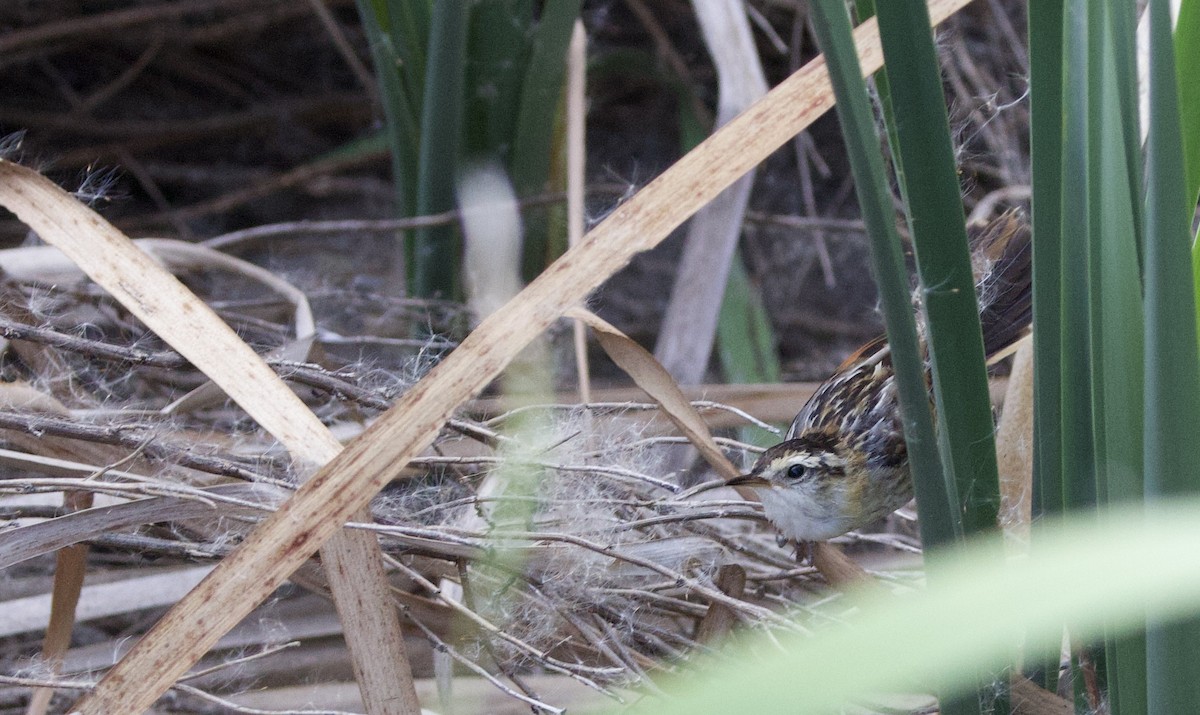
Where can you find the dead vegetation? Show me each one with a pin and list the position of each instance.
(541, 547)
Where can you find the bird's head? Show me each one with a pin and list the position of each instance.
(811, 487)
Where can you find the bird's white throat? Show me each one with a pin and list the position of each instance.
(799, 516)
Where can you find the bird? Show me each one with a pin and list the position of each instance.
(843, 463)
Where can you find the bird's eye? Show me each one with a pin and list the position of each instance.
(795, 471)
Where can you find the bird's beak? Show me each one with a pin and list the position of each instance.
(743, 480)
(747, 480)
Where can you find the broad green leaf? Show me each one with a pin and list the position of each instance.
(1172, 452)
(436, 251)
(745, 341)
(1116, 319)
(937, 637)
(1187, 65)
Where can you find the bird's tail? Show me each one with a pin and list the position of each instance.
(1002, 260)
(1002, 254)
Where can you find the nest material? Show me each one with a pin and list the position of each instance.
(543, 539)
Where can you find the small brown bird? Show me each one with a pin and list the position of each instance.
(843, 463)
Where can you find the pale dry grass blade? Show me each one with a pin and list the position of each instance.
(287, 538)
(576, 164)
(689, 326)
(70, 565)
(720, 620)
(161, 301)
(648, 374)
(26, 542)
(50, 265)
(70, 562)
(769, 403)
(839, 570)
(28, 614)
(475, 695)
(1030, 699)
(1014, 449)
